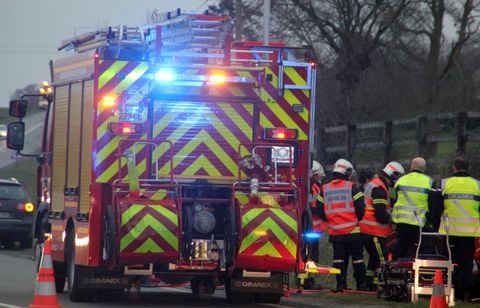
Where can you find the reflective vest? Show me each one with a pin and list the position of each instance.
(369, 223)
(461, 199)
(318, 225)
(412, 199)
(339, 208)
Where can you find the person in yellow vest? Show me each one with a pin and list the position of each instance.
(341, 205)
(376, 223)
(415, 197)
(461, 220)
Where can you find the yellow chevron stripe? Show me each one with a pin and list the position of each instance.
(149, 246)
(144, 223)
(282, 115)
(201, 162)
(133, 76)
(267, 250)
(113, 168)
(235, 117)
(201, 137)
(292, 100)
(293, 74)
(111, 72)
(260, 231)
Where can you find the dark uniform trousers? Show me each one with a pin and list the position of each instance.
(342, 250)
(377, 252)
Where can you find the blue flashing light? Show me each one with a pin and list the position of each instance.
(312, 235)
(164, 75)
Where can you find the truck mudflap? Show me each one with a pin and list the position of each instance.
(272, 285)
(268, 237)
(148, 231)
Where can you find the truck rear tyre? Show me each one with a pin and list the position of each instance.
(109, 232)
(74, 272)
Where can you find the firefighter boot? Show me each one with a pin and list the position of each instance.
(359, 273)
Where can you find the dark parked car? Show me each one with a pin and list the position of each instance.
(17, 214)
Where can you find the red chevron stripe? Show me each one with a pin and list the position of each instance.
(202, 149)
(302, 124)
(147, 210)
(266, 214)
(152, 234)
(181, 117)
(116, 79)
(270, 237)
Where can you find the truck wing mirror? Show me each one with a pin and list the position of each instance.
(17, 108)
(15, 135)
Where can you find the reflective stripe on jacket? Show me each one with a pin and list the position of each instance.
(411, 207)
(461, 199)
(369, 224)
(339, 208)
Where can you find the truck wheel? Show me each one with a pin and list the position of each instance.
(267, 298)
(187, 233)
(202, 286)
(109, 232)
(60, 273)
(74, 272)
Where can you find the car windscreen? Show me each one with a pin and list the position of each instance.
(12, 192)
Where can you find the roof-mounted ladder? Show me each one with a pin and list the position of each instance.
(174, 37)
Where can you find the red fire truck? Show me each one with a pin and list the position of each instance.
(170, 151)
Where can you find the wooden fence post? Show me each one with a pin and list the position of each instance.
(421, 135)
(351, 140)
(387, 142)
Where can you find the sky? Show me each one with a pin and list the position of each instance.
(31, 31)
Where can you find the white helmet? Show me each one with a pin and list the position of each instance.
(317, 168)
(394, 170)
(344, 167)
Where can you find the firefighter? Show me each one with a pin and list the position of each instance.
(461, 219)
(376, 223)
(341, 205)
(415, 197)
(318, 225)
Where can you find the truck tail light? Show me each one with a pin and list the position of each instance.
(126, 128)
(281, 133)
(26, 207)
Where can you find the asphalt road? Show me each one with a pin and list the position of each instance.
(17, 286)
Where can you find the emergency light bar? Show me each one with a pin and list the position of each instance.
(280, 133)
(169, 76)
(125, 128)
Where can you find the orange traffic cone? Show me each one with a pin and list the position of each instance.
(438, 299)
(45, 294)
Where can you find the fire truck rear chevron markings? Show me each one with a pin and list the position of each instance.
(110, 73)
(261, 230)
(252, 214)
(149, 246)
(216, 151)
(149, 222)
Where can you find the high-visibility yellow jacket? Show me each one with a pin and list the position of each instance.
(411, 206)
(461, 200)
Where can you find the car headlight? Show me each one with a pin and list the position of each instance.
(203, 221)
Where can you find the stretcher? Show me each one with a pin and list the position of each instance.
(406, 279)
